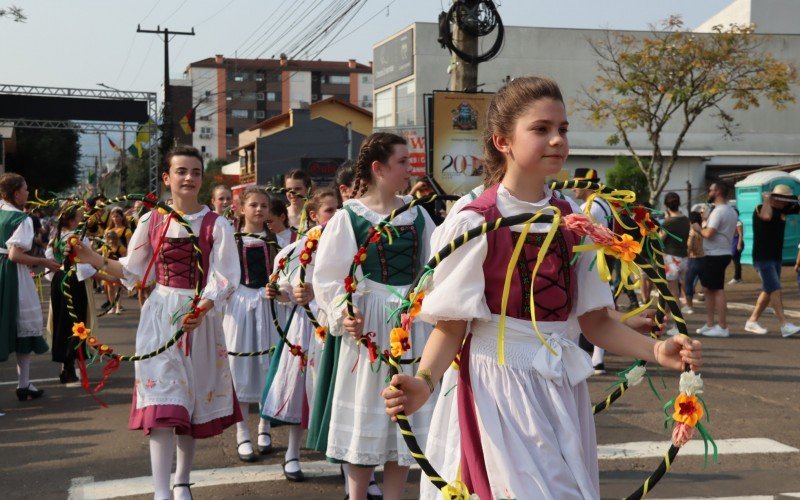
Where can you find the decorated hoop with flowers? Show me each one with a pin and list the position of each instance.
(90, 348)
(294, 349)
(687, 407)
(374, 235)
(306, 256)
(303, 213)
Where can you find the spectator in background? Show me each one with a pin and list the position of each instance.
(675, 235)
(221, 199)
(717, 236)
(737, 247)
(436, 209)
(769, 224)
(343, 181)
(694, 251)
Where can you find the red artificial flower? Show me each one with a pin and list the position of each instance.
(305, 257)
(374, 235)
(360, 256)
(321, 332)
(350, 284)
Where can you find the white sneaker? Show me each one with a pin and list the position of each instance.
(717, 331)
(788, 329)
(754, 327)
(672, 331)
(734, 282)
(703, 329)
(687, 310)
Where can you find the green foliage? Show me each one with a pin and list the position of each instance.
(213, 176)
(47, 158)
(626, 175)
(670, 77)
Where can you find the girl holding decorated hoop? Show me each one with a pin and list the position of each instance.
(289, 387)
(278, 223)
(21, 325)
(186, 390)
(519, 423)
(247, 324)
(80, 285)
(359, 434)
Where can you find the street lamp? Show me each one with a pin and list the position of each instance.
(109, 87)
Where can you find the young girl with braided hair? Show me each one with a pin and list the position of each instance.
(521, 427)
(80, 285)
(186, 390)
(358, 433)
(21, 322)
(300, 184)
(289, 386)
(247, 323)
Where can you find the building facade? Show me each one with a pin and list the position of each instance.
(232, 95)
(411, 64)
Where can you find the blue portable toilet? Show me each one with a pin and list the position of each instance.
(749, 196)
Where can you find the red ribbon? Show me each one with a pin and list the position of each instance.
(85, 377)
(157, 248)
(108, 370)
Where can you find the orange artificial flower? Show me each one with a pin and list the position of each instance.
(688, 410)
(400, 341)
(626, 247)
(79, 330)
(314, 234)
(321, 332)
(416, 304)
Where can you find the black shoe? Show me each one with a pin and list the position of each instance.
(188, 486)
(105, 305)
(265, 450)
(250, 457)
(27, 393)
(297, 477)
(68, 376)
(600, 369)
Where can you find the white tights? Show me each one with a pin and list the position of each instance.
(162, 444)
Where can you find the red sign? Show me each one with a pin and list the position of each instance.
(416, 152)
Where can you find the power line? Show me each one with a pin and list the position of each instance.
(364, 23)
(215, 14)
(174, 12)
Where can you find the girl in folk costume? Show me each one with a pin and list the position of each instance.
(286, 398)
(120, 225)
(80, 285)
(186, 390)
(21, 322)
(278, 224)
(247, 323)
(358, 433)
(113, 249)
(520, 425)
(221, 199)
(300, 183)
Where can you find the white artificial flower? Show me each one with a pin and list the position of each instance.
(474, 496)
(635, 375)
(691, 383)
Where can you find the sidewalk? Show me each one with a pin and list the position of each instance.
(747, 291)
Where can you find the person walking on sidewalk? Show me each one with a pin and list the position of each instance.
(769, 224)
(717, 237)
(675, 235)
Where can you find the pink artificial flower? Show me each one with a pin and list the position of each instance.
(582, 225)
(405, 322)
(681, 434)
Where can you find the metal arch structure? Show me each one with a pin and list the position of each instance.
(91, 126)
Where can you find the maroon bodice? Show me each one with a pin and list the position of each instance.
(555, 280)
(176, 261)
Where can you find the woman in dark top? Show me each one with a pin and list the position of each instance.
(675, 236)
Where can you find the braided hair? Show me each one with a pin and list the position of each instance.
(376, 147)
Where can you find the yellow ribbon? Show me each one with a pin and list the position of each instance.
(501, 357)
(624, 196)
(539, 258)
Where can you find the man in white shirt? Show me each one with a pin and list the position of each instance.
(717, 233)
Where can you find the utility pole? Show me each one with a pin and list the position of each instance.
(166, 124)
(349, 140)
(123, 169)
(464, 77)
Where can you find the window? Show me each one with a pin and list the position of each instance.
(260, 114)
(405, 104)
(241, 77)
(384, 109)
(239, 113)
(272, 96)
(364, 78)
(259, 77)
(259, 96)
(202, 149)
(205, 130)
(228, 132)
(336, 79)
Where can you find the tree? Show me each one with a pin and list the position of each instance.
(213, 176)
(626, 175)
(671, 77)
(15, 13)
(47, 158)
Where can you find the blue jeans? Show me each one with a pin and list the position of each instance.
(692, 276)
(770, 273)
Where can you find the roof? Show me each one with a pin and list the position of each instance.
(796, 174)
(330, 100)
(761, 178)
(271, 64)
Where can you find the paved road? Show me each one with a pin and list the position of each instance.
(66, 439)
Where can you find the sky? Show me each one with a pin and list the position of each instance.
(80, 43)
